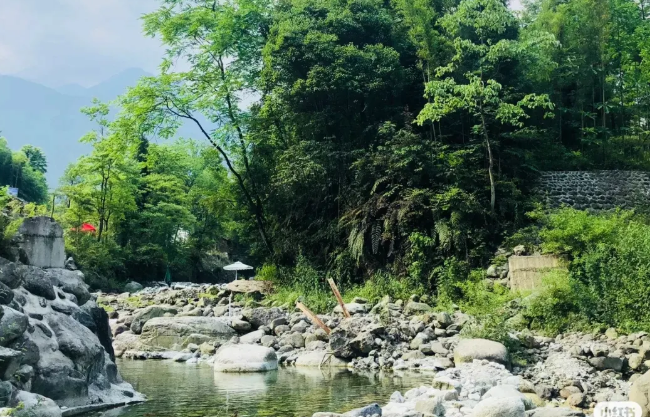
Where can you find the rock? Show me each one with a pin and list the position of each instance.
(70, 264)
(8, 274)
(431, 407)
(640, 393)
(500, 407)
(262, 316)
(6, 295)
(635, 361)
(319, 359)
(281, 329)
(167, 332)
(611, 333)
(148, 313)
(576, 400)
(6, 393)
(41, 243)
(240, 325)
(608, 362)
(468, 350)
(519, 250)
(245, 358)
(78, 343)
(35, 405)
(71, 282)
(252, 337)
(12, 325)
(281, 321)
(250, 287)
(207, 349)
(413, 308)
(413, 354)
(567, 391)
(36, 282)
(353, 308)
(133, 287)
(554, 412)
(508, 391)
(444, 319)
(268, 341)
(294, 339)
(9, 362)
(367, 411)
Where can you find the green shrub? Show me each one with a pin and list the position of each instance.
(383, 283)
(554, 309)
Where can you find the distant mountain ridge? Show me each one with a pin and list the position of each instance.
(31, 113)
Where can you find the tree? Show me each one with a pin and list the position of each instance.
(36, 158)
(484, 36)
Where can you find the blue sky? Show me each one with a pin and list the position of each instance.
(57, 42)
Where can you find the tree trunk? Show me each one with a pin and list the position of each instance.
(493, 191)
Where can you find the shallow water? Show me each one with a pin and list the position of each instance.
(181, 390)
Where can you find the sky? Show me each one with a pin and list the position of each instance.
(58, 42)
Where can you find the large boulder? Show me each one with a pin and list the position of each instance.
(500, 407)
(554, 412)
(78, 343)
(28, 404)
(132, 287)
(640, 393)
(171, 332)
(367, 411)
(71, 282)
(36, 281)
(468, 350)
(320, 359)
(98, 324)
(12, 325)
(262, 316)
(148, 313)
(9, 275)
(245, 358)
(9, 362)
(41, 243)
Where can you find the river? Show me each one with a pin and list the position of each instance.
(181, 390)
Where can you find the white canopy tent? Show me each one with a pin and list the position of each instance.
(237, 266)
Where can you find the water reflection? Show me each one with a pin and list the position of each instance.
(180, 390)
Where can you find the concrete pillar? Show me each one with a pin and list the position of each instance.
(42, 243)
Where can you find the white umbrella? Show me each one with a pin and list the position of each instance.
(237, 266)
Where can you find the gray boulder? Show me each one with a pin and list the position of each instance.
(640, 393)
(245, 358)
(320, 359)
(607, 362)
(148, 313)
(12, 325)
(414, 307)
(367, 411)
(8, 274)
(500, 407)
(469, 349)
(37, 282)
(262, 316)
(6, 295)
(35, 405)
(169, 332)
(71, 282)
(9, 362)
(133, 287)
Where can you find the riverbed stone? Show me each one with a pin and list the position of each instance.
(35, 405)
(133, 286)
(640, 393)
(245, 358)
(262, 316)
(468, 350)
(37, 282)
(500, 407)
(167, 332)
(320, 359)
(72, 282)
(252, 337)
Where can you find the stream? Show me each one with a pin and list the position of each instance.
(181, 390)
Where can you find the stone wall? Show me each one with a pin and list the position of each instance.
(595, 190)
(42, 243)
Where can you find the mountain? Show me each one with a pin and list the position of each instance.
(34, 114)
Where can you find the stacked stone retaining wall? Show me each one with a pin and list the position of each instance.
(595, 190)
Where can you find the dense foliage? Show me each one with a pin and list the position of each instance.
(357, 139)
(24, 169)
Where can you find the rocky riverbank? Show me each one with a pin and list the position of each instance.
(56, 356)
(563, 376)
